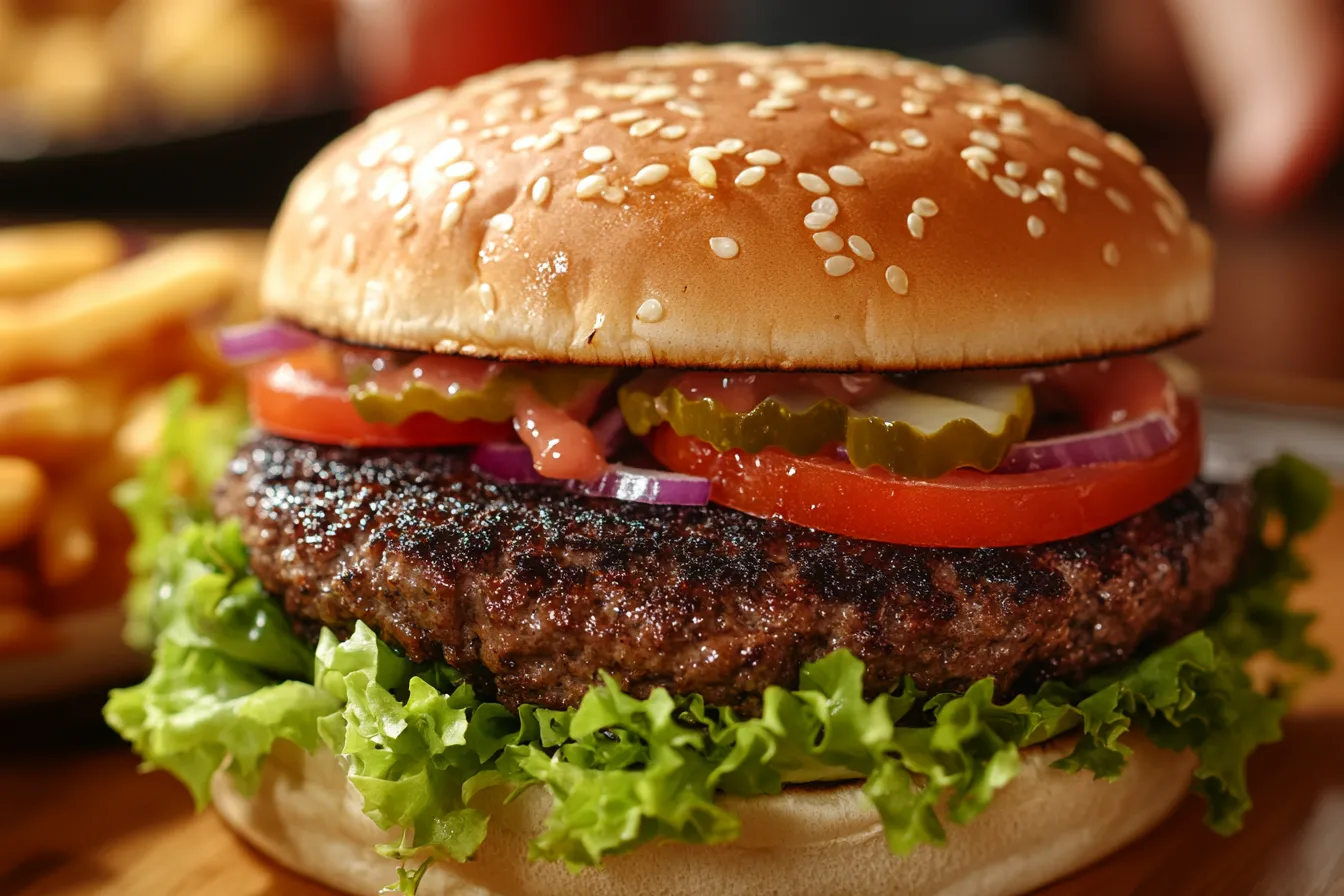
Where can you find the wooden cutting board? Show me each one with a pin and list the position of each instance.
(75, 818)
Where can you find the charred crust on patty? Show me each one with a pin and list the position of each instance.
(530, 591)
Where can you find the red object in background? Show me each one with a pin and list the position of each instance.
(395, 48)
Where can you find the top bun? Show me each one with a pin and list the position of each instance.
(739, 207)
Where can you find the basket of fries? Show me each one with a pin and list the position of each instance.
(94, 325)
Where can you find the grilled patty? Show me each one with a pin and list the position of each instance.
(530, 591)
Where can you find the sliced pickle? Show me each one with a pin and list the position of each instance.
(493, 402)
(922, 428)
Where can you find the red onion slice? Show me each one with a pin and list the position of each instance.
(509, 461)
(646, 486)
(610, 431)
(512, 462)
(1136, 440)
(246, 343)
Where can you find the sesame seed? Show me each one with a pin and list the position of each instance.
(761, 112)
(626, 116)
(541, 188)
(865, 101)
(911, 107)
(444, 153)
(897, 280)
(763, 157)
(748, 176)
(884, 146)
(987, 139)
(1084, 158)
(317, 228)
(817, 220)
(982, 153)
(527, 141)
(673, 132)
(1110, 253)
(460, 191)
(598, 155)
(778, 102)
(452, 213)
(1052, 176)
(924, 207)
(860, 247)
(613, 194)
(458, 125)
(812, 183)
(488, 302)
(1119, 200)
(723, 246)
(826, 205)
(1171, 222)
(731, 145)
(547, 140)
(931, 83)
(916, 225)
(565, 126)
(710, 152)
(398, 193)
(650, 311)
(591, 186)
(645, 126)
(401, 155)
(503, 222)
(1029, 195)
(1009, 186)
(839, 265)
(702, 76)
(690, 110)
(587, 113)
(657, 93)
(1121, 146)
(845, 176)
(703, 172)
(459, 170)
(697, 91)
(979, 167)
(828, 241)
(1014, 169)
(748, 80)
(1035, 227)
(349, 253)
(1085, 177)
(913, 137)
(843, 118)
(650, 174)
(376, 150)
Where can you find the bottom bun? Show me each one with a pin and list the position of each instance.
(810, 839)
(90, 654)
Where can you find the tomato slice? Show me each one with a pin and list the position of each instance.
(303, 396)
(962, 509)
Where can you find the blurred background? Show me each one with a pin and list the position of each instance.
(146, 144)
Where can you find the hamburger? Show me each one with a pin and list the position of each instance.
(717, 470)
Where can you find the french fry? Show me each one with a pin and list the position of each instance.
(91, 317)
(23, 491)
(66, 540)
(52, 419)
(38, 258)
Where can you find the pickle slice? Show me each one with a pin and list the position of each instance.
(923, 429)
(493, 402)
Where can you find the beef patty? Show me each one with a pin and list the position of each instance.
(530, 591)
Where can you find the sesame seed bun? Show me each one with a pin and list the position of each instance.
(815, 839)
(736, 206)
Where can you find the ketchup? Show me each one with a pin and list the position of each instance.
(562, 447)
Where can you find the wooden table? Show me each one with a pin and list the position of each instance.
(78, 819)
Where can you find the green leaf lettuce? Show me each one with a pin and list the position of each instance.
(230, 678)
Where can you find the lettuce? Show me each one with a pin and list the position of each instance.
(229, 678)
